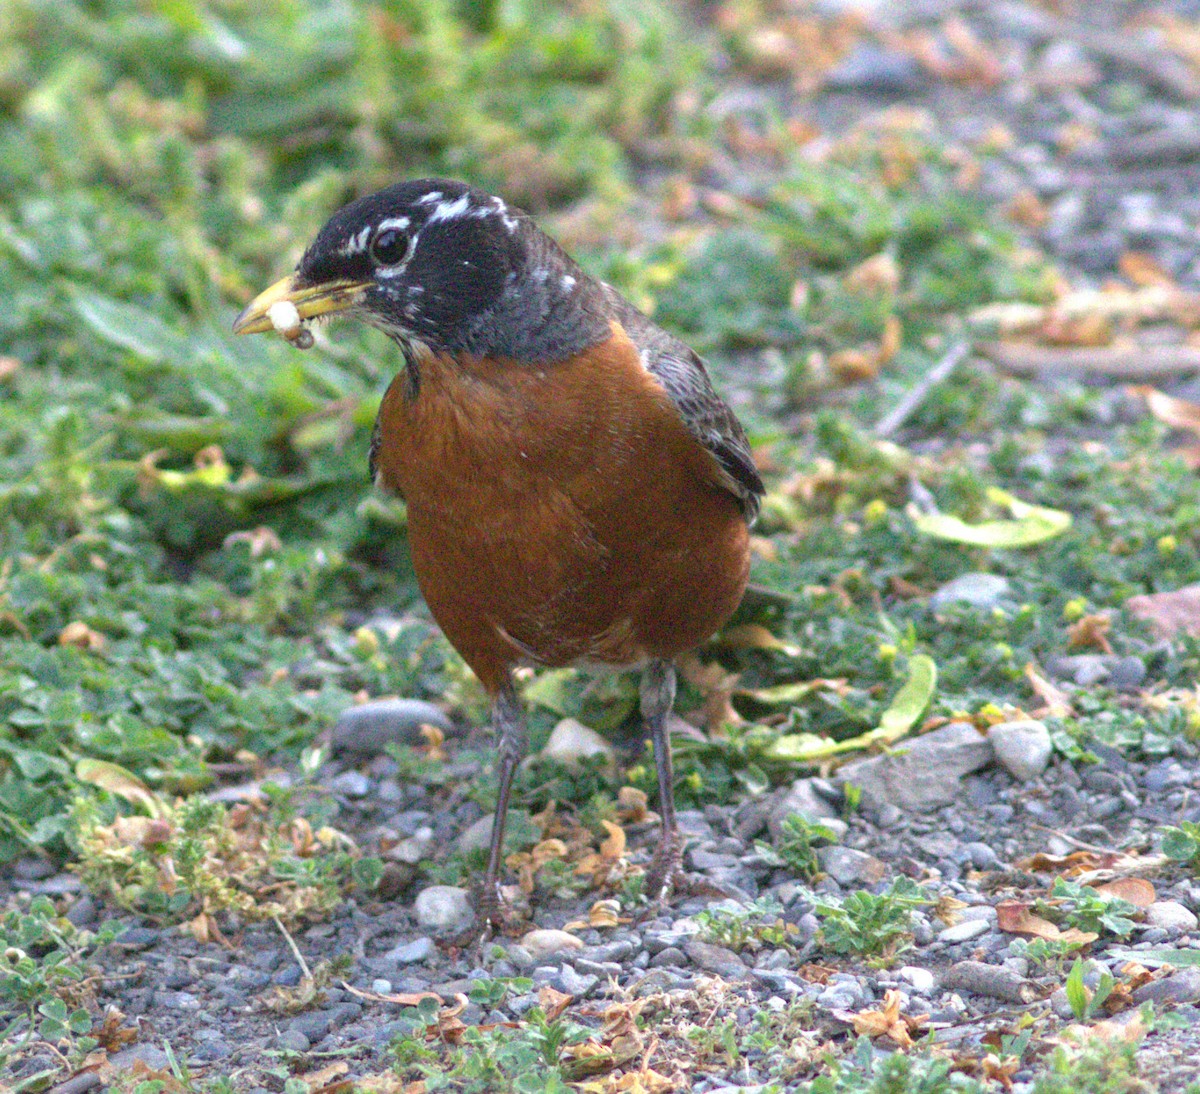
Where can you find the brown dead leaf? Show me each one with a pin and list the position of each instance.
(553, 1002)
(1144, 270)
(889, 1022)
(606, 913)
(112, 1034)
(403, 999)
(323, 1076)
(80, 635)
(614, 846)
(1136, 890)
(1016, 917)
(1057, 703)
(947, 908)
(633, 805)
(1090, 633)
(1177, 413)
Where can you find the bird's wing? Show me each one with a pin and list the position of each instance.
(682, 374)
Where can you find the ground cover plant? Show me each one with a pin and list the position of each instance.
(197, 578)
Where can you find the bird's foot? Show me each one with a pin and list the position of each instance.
(665, 871)
(493, 915)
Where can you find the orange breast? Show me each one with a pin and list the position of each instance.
(561, 515)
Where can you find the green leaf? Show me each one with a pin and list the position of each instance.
(129, 327)
(1030, 524)
(1178, 845)
(1078, 995)
(1153, 959)
(911, 700)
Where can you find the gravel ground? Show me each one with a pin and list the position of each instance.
(957, 817)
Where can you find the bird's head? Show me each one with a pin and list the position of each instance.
(432, 262)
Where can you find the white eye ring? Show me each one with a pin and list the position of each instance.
(391, 246)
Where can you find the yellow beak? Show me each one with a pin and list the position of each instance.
(309, 301)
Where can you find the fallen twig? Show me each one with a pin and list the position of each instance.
(940, 372)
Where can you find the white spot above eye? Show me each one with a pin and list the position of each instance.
(568, 282)
(430, 198)
(356, 244)
(391, 222)
(450, 210)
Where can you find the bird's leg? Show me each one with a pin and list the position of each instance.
(658, 697)
(512, 740)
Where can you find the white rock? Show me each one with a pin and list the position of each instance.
(545, 942)
(1170, 914)
(1022, 747)
(443, 908)
(963, 932)
(922, 980)
(571, 741)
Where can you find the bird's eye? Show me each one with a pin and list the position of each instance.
(390, 247)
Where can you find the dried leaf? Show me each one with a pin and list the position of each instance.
(125, 784)
(80, 635)
(754, 636)
(553, 1002)
(1057, 703)
(889, 1021)
(1090, 633)
(1136, 890)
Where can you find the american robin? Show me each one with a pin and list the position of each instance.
(577, 492)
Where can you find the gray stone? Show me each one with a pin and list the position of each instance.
(364, 730)
(410, 953)
(572, 741)
(1127, 673)
(579, 985)
(546, 942)
(443, 908)
(672, 958)
(477, 837)
(1022, 747)
(314, 1026)
(148, 1053)
(1170, 915)
(292, 1040)
(965, 931)
(1179, 987)
(802, 798)
(715, 959)
(920, 774)
(849, 867)
(353, 784)
(83, 912)
(983, 591)
(870, 68)
(418, 847)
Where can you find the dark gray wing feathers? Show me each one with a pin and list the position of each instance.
(682, 373)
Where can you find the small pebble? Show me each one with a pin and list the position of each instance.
(443, 908)
(546, 942)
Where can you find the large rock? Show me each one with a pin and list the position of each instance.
(922, 773)
(365, 729)
(572, 741)
(444, 909)
(1022, 747)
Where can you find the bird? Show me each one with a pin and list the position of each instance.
(577, 493)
